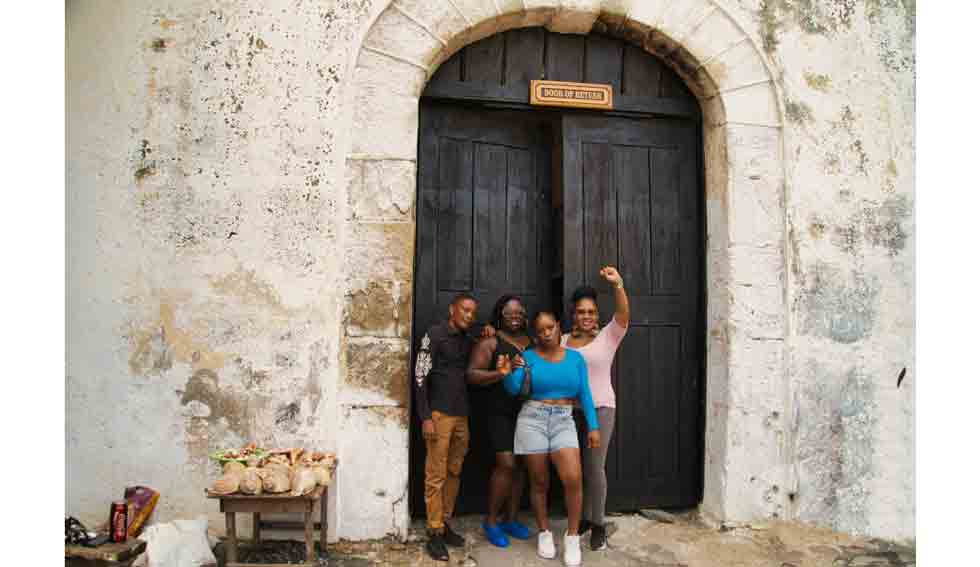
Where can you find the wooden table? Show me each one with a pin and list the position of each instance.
(121, 554)
(272, 504)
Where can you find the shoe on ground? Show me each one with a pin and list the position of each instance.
(436, 547)
(495, 534)
(597, 541)
(584, 526)
(573, 550)
(452, 538)
(515, 530)
(546, 545)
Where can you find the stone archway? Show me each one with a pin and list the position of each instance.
(747, 469)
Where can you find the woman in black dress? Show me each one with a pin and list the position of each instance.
(509, 320)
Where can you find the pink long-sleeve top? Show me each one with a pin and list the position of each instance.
(599, 355)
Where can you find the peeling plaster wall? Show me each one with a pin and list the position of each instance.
(240, 197)
(847, 73)
(204, 214)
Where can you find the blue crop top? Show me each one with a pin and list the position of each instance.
(567, 378)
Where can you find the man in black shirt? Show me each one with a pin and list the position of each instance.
(441, 401)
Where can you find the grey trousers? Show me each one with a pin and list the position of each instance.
(594, 466)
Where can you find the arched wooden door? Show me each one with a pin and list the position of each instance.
(513, 198)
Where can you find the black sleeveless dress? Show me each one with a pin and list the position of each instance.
(502, 408)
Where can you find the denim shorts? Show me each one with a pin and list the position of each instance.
(543, 428)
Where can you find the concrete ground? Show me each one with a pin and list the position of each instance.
(639, 541)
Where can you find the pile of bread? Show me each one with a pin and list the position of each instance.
(283, 470)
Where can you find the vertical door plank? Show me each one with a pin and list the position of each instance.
(524, 56)
(566, 57)
(633, 402)
(547, 252)
(455, 215)
(489, 210)
(664, 355)
(484, 61)
(600, 211)
(632, 175)
(572, 235)
(671, 86)
(462, 268)
(449, 158)
(641, 72)
(519, 218)
(426, 288)
(604, 61)
(666, 221)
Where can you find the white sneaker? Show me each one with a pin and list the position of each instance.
(546, 545)
(573, 550)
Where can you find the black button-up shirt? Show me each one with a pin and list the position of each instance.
(440, 372)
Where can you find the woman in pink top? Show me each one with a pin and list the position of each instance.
(598, 348)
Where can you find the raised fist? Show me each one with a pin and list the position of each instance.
(611, 275)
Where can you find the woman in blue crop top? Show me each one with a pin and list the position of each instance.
(546, 430)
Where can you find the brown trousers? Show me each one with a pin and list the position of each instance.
(443, 462)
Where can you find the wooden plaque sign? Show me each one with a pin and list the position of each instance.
(579, 95)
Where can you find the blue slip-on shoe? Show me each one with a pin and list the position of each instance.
(515, 529)
(495, 535)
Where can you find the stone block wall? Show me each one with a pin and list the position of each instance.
(240, 210)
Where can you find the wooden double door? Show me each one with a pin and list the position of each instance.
(534, 203)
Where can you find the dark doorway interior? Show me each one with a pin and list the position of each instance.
(533, 201)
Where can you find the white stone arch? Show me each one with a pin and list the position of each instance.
(747, 421)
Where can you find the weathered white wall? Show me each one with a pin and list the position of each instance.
(241, 219)
(847, 74)
(203, 216)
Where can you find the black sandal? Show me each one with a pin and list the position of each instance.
(436, 548)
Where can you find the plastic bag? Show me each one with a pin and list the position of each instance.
(228, 482)
(322, 474)
(251, 482)
(181, 543)
(275, 479)
(75, 532)
(304, 481)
